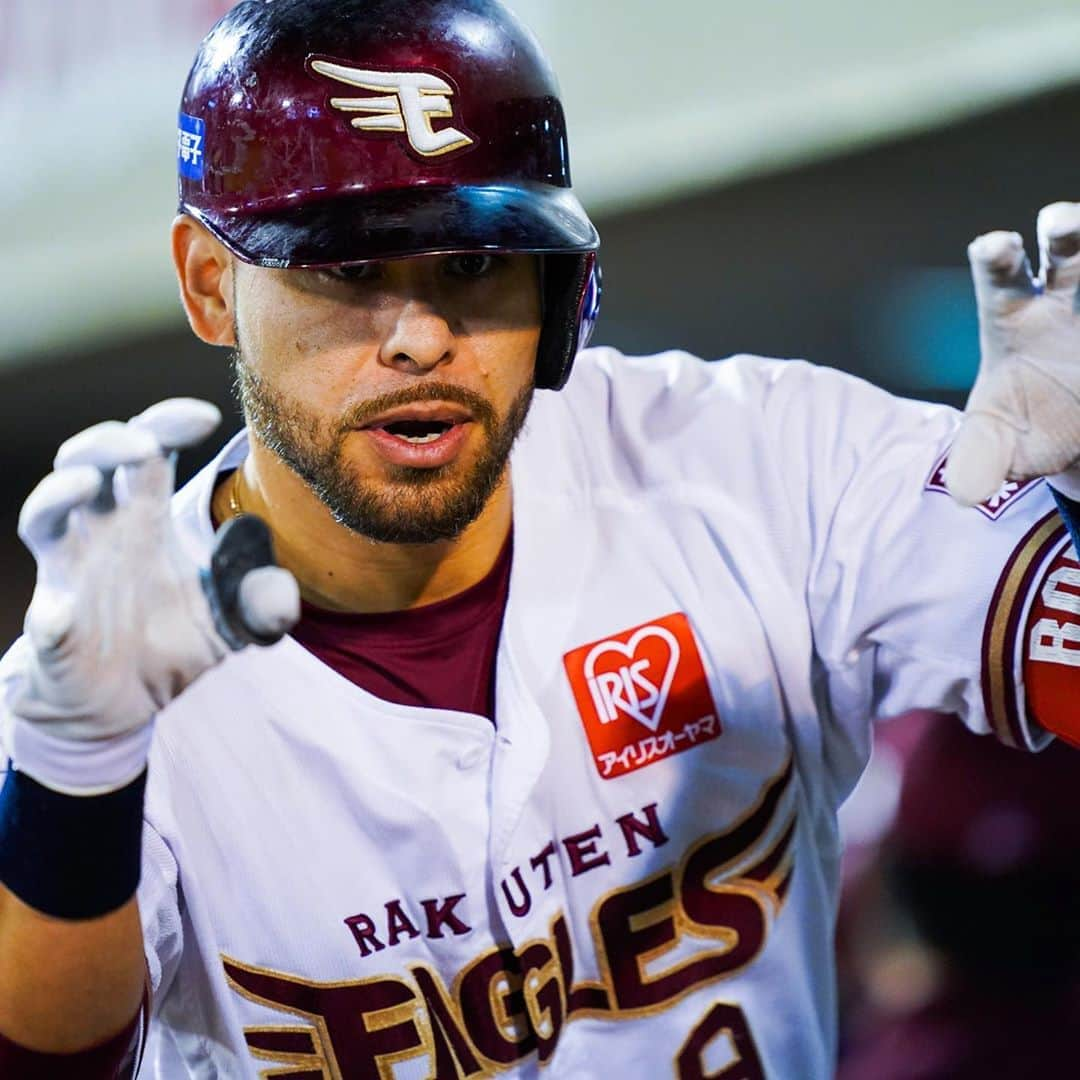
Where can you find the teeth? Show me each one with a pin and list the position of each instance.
(418, 439)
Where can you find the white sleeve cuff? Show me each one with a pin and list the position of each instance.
(76, 767)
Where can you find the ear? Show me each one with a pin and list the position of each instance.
(204, 269)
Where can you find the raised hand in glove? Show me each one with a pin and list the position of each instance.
(122, 619)
(1023, 416)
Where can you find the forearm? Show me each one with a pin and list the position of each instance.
(71, 946)
(68, 985)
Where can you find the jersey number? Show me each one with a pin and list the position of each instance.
(727, 1023)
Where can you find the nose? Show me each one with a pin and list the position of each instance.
(420, 339)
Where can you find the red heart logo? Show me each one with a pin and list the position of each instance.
(642, 694)
(619, 679)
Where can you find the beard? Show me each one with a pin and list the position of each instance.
(411, 505)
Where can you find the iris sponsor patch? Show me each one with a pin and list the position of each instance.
(642, 695)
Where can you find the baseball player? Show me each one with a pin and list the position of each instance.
(527, 755)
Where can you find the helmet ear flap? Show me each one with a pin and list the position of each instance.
(570, 293)
(590, 302)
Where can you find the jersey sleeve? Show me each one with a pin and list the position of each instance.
(915, 602)
(159, 909)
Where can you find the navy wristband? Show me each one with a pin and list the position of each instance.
(68, 856)
(1069, 509)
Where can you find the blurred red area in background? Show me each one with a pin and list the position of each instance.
(959, 934)
(43, 47)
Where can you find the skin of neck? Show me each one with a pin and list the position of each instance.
(340, 570)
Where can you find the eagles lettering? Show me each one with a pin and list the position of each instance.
(511, 1003)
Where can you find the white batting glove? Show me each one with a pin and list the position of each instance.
(1023, 416)
(122, 620)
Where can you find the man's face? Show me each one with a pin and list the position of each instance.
(394, 389)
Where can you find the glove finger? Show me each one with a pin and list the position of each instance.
(43, 520)
(241, 545)
(178, 423)
(979, 459)
(107, 446)
(49, 620)
(1001, 272)
(1059, 247)
(175, 424)
(151, 482)
(269, 602)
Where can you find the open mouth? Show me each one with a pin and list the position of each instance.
(418, 432)
(423, 435)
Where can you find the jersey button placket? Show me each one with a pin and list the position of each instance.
(522, 745)
(472, 756)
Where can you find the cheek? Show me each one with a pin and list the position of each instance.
(311, 357)
(507, 359)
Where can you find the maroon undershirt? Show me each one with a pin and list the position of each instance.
(439, 656)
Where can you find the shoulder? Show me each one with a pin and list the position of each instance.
(640, 420)
(679, 385)
(673, 375)
(645, 395)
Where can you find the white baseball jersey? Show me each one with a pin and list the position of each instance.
(722, 572)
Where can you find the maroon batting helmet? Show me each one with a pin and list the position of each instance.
(320, 133)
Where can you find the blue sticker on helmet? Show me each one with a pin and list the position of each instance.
(189, 146)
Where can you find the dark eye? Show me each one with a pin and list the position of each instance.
(471, 265)
(367, 271)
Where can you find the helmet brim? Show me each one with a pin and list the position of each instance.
(403, 222)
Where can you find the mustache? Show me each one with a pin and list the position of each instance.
(481, 409)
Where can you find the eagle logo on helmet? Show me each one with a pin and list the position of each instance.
(405, 102)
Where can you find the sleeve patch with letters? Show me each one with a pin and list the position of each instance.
(1011, 491)
(1051, 647)
(1031, 641)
